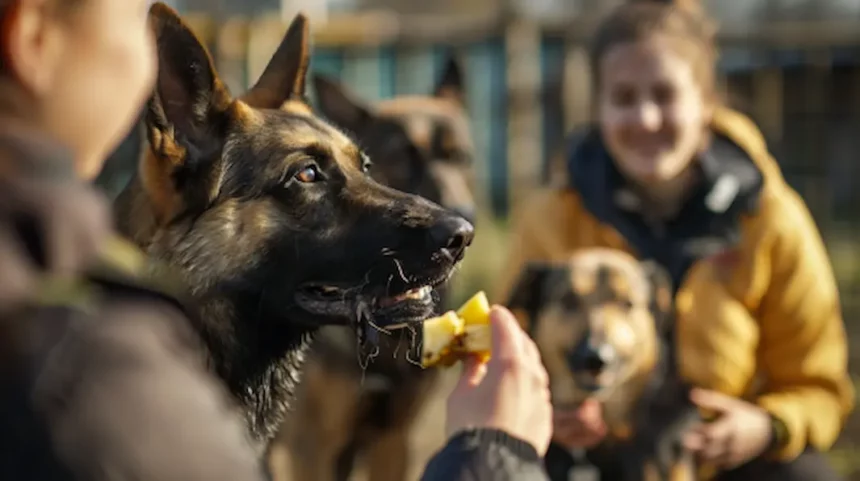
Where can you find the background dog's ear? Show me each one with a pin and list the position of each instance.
(188, 91)
(285, 77)
(532, 288)
(662, 302)
(450, 85)
(338, 105)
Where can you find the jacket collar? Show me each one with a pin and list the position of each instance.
(728, 176)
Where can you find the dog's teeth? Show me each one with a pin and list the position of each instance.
(417, 293)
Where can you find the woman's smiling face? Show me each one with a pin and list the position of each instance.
(652, 110)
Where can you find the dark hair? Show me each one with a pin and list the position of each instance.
(682, 20)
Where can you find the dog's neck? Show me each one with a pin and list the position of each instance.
(260, 367)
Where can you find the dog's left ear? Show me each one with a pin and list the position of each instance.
(450, 85)
(185, 118)
(532, 288)
(285, 76)
(662, 303)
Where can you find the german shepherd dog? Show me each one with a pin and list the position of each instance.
(421, 145)
(272, 220)
(602, 323)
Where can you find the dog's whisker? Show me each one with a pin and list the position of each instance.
(414, 344)
(378, 328)
(399, 342)
(400, 270)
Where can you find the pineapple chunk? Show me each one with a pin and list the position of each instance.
(477, 340)
(476, 310)
(454, 335)
(440, 333)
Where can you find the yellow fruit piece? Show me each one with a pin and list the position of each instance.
(455, 335)
(477, 340)
(440, 334)
(476, 310)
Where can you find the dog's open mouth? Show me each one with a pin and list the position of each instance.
(597, 381)
(383, 309)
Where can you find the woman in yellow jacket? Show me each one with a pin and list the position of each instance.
(668, 174)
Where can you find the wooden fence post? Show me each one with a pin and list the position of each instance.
(768, 102)
(525, 139)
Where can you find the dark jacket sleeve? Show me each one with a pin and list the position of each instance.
(97, 385)
(113, 396)
(485, 455)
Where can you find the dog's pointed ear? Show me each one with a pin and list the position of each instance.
(662, 302)
(285, 77)
(188, 92)
(187, 111)
(339, 105)
(450, 84)
(533, 286)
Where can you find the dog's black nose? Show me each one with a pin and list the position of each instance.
(452, 233)
(590, 358)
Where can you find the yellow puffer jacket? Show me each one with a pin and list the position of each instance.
(762, 323)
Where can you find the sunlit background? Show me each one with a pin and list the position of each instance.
(792, 65)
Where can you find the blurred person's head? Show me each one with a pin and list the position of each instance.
(79, 70)
(654, 63)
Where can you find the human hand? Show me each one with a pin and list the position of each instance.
(742, 431)
(580, 427)
(510, 392)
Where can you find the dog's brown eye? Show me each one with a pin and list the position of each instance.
(308, 174)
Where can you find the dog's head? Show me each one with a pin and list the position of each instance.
(419, 144)
(268, 210)
(597, 319)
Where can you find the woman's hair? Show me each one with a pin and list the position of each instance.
(682, 21)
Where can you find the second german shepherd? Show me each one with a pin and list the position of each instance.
(272, 219)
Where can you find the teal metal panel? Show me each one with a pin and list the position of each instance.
(487, 99)
(361, 72)
(387, 72)
(414, 70)
(328, 62)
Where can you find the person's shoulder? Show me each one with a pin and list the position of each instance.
(123, 269)
(783, 211)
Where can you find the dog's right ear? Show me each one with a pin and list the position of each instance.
(338, 105)
(532, 287)
(285, 76)
(451, 85)
(186, 113)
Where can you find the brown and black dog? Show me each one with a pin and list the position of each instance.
(344, 411)
(602, 322)
(271, 218)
